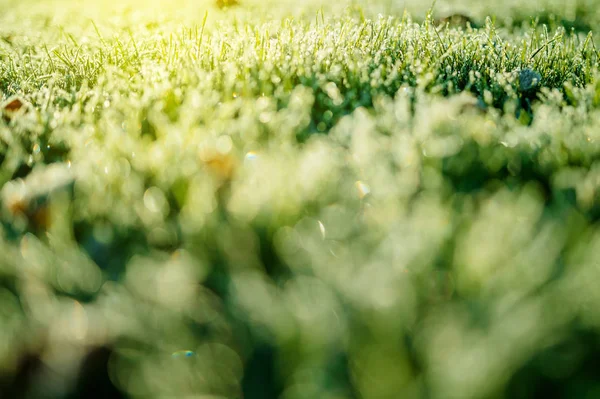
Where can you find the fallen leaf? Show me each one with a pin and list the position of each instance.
(12, 106)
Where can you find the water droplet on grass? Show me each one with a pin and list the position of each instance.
(363, 189)
(251, 156)
(183, 353)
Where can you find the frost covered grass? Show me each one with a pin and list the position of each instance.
(317, 203)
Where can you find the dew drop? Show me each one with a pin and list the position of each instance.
(251, 156)
(363, 189)
(184, 353)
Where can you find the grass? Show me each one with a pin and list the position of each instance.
(320, 202)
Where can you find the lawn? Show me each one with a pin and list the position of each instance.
(366, 199)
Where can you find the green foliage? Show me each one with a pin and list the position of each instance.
(315, 204)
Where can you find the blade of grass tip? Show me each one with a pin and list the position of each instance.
(533, 37)
(171, 49)
(236, 25)
(430, 11)
(493, 46)
(70, 36)
(76, 57)
(360, 34)
(381, 30)
(263, 46)
(595, 50)
(32, 71)
(225, 46)
(429, 15)
(340, 37)
(50, 94)
(489, 23)
(50, 59)
(585, 44)
(361, 13)
(523, 50)
(135, 48)
(98, 33)
(536, 52)
(291, 29)
(120, 48)
(446, 54)
(64, 59)
(440, 40)
(199, 44)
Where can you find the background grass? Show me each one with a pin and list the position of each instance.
(359, 200)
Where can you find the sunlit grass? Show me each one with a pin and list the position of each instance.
(299, 201)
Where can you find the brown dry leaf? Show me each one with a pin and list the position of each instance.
(12, 106)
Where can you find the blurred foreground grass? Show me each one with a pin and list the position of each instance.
(299, 201)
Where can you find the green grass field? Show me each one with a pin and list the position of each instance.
(360, 199)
